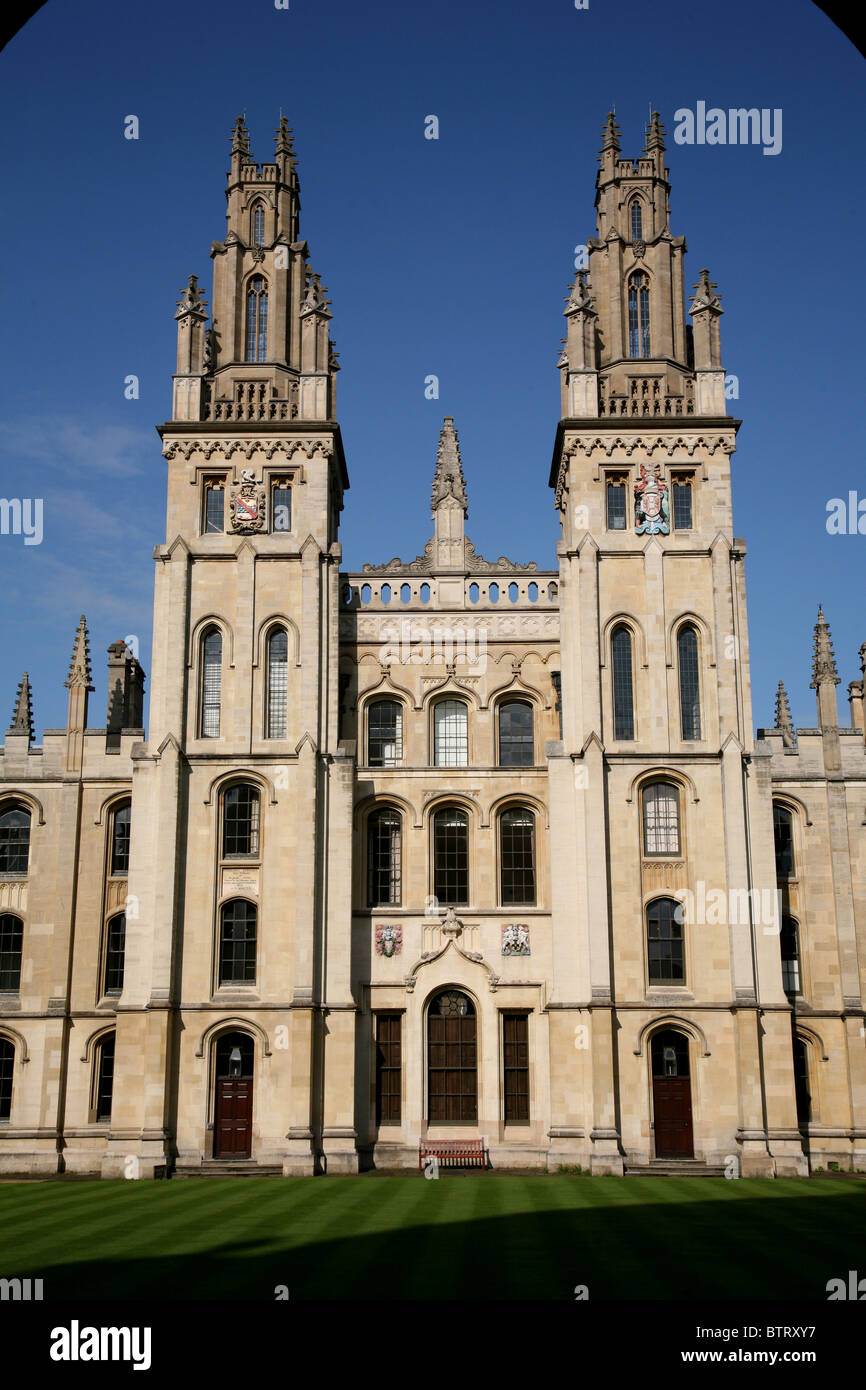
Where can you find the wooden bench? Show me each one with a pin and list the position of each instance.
(454, 1153)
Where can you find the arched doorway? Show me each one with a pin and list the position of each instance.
(672, 1095)
(452, 1065)
(234, 1054)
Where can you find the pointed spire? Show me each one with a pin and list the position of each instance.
(284, 143)
(191, 301)
(22, 715)
(654, 134)
(823, 659)
(783, 717)
(610, 134)
(448, 480)
(580, 297)
(705, 294)
(240, 138)
(79, 667)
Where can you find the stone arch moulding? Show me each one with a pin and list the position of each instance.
(384, 687)
(94, 1039)
(472, 957)
(211, 620)
(379, 801)
(30, 801)
(688, 618)
(794, 804)
(637, 632)
(517, 687)
(232, 1025)
(111, 803)
(518, 798)
(679, 1024)
(266, 626)
(809, 1035)
(435, 800)
(662, 774)
(240, 774)
(18, 1040)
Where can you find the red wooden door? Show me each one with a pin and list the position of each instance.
(672, 1113)
(233, 1131)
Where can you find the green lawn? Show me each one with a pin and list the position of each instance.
(458, 1237)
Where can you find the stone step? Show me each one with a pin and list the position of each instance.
(228, 1168)
(674, 1168)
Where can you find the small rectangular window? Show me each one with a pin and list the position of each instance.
(214, 506)
(281, 507)
(616, 504)
(388, 1069)
(682, 491)
(515, 1056)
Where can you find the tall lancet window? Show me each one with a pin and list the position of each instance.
(690, 686)
(257, 320)
(638, 316)
(636, 221)
(211, 682)
(278, 682)
(258, 225)
(623, 689)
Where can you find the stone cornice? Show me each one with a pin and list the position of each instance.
(626, 442)
(247, 446)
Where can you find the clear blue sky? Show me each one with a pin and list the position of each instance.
(449, 257)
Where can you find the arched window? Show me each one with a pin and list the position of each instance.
(452, 1067)
(451, 857)
(517, 856)
(450, 734)
(384, 852)
(516, 738)
(623, 686)
(11, 941)
(115, 948)
(7, 1067)
(783, 835)
(14, 840)
(384, 733)
(103, 1079)
(638, 316)
(789, 944)
(121, 822)
(240, 820)
(690, 685)
(636, 220)
(802, 1086)
(258, 225)
(211, 682)
(278, 682)
(661, 819)
(665, 958)
(238, 921)
(257, 320)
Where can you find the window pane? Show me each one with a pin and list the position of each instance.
(212, 656)
(783, 834)
(238, 944)
(7, 1065)
(214, 508)
(451, 742)
(11, 938)
(690, 693)
(616, 506)
(282, 508)
(515, 1049)
(278, 683)
(385, 734)
(517, 849)
(516, 742)
(241, 820)
(259, 225)
(682, 506)
(14, 840)
(451, 857)
(388, 1069)
(120, 828)
(790, 948)
(384, 847)
(665, 942)
(623, 693)
(661, 819)
(104, 1078)
(636, 220)
(114, 954)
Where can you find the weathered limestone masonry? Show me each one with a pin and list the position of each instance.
(448, 848)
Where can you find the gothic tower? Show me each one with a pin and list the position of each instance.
(242, 797)
(656, 780)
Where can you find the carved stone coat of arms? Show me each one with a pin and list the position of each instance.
(247, 504)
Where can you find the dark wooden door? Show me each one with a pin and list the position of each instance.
(233, 1131)
(672, 1112)
(452, 1070)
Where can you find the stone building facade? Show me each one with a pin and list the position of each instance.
(449, 848)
